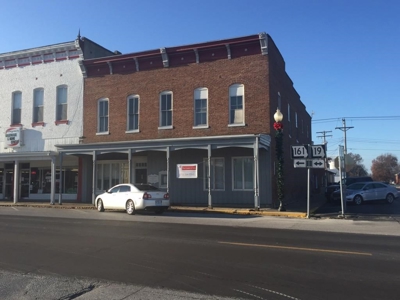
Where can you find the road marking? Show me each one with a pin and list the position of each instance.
(298, 248)
(14, 208)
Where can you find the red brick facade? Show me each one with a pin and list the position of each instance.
(214, 66)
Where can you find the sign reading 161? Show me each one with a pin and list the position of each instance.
(300, 151)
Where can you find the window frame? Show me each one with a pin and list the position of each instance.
(101, 117)
(14, 109)
(205, 174)
(38, 108)
(242, 158)
(198, 96)
(134, 114)
(236, 90)
(64, 106)
(168, 111)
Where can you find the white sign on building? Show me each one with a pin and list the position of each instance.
(186, 171)
(14, 137)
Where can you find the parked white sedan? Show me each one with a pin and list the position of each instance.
(132, 197)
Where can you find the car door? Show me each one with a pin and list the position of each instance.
(123, 196)
(369, 192)
(380, 191)
(110, 199)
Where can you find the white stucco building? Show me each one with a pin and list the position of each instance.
(41, 95)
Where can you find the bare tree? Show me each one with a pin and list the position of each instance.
(384, 167)
(358, 168)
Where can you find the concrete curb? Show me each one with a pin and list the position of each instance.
(183, 209)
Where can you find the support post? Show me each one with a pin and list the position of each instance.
(94, 177)
(16, 181)
(61, 180)
(209, 176)
(53, 180)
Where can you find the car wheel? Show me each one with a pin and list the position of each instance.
(389, 198)
(358, 200)
(100, 206)
(130, 207)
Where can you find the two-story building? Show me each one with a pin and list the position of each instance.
(195, 120)
(41, 94)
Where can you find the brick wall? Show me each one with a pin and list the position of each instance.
(217, 76)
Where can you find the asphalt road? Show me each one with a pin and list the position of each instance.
(208, 261)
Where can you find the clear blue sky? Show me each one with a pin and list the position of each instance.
(342, 55)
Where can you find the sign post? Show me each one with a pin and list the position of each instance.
(308, 156)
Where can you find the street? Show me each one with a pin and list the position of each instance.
(228, 259)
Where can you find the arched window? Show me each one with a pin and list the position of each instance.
(62, 103)
(102, 116)
(200, 107)
(16, 107)
(166, 109)
(133, 113)
(236, 104)
(38, 107)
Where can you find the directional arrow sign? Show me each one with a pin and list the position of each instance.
(318, 163)
(318, 151)
(299, 151)
(299, 163)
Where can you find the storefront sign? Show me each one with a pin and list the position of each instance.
(14, 137)
(186, 171)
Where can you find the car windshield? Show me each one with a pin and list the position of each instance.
(356, 186)
(146, 187)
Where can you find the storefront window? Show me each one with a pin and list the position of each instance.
(41, 181)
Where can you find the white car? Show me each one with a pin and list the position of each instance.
(132, 197)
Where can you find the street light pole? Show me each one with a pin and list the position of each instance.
(278, 126)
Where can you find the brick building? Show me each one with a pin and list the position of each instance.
(41, 95)
(209, 106)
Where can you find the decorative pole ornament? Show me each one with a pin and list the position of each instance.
(278, 126)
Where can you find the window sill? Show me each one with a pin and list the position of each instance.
(201, 127)
(237, 125)
(132, 131)
(103, 133)
(58, 122)
(166, 127)
(36, 124)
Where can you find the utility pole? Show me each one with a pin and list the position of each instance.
(344, 128)
(326, 158)
(324, 135)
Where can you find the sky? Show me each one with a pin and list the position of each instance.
(342, 55)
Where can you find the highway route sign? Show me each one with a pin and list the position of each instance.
(318, 151)
(300, 151)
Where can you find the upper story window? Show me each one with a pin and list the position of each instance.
(102, 116)
(62, 103)
(236, 104)
(16, 107)
(38, 107)
(133, 113)
(200, 107)
(295, 120)
(166, 110)
(279, 101)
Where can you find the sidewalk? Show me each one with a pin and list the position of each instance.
(295, 209)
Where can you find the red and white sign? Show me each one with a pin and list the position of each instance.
(186, 171)
(14, 136)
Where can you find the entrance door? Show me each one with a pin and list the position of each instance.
(141, 176)
(25, 183)
(9, 190)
